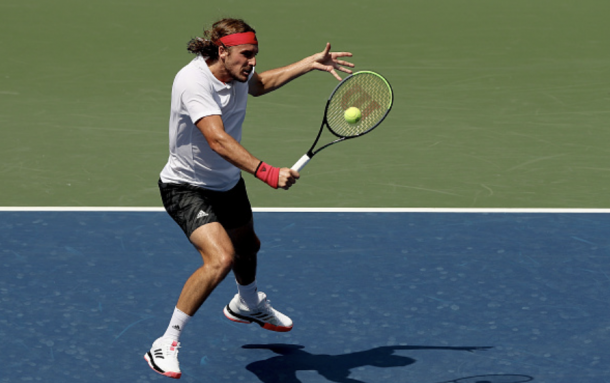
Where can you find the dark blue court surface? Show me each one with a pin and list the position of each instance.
(375, 297)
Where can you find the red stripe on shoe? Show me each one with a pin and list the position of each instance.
(269, 326)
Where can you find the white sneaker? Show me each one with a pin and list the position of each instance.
(263, 314)
(163, 357)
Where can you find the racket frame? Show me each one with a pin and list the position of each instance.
(300, 164)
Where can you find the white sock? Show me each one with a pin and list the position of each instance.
(176, 325)
(248, 294)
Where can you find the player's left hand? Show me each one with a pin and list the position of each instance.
(329, 61)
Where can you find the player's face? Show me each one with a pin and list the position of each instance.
(241, 61)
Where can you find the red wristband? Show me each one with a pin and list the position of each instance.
(268, 174)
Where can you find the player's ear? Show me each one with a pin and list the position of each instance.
(223, 52)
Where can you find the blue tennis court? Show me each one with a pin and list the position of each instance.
(375, 297)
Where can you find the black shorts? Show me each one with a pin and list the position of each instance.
(192, 206)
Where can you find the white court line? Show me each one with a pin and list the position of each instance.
(80, 208)
(316, 210)
(430, 210)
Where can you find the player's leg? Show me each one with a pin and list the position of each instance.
(216, 249)
(251, 305)
(246, 244)
(190, 207)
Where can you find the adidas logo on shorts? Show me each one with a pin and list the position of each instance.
(201, 214)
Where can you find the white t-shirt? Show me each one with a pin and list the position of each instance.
(196, 93)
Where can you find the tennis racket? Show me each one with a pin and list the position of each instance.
(367, 91)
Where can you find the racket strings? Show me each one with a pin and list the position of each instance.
(368, 92)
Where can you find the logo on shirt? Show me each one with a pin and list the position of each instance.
(201, 214)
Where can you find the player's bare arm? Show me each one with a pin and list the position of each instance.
(326, 60)
(228, 148)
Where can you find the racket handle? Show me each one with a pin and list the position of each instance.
(301, 163)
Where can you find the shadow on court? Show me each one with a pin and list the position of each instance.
(335, 368)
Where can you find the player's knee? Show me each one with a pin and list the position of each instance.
(224, 262)
(255, 245)
(220, 263)
(249, 248)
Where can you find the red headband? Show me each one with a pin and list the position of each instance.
(238, 39)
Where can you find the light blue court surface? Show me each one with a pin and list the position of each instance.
(375, 297)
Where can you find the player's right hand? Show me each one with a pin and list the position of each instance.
(288, 177)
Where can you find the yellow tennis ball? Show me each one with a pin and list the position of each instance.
(352, 115)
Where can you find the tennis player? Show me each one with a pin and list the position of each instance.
(201, 185)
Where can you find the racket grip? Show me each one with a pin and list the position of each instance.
(301, 163)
